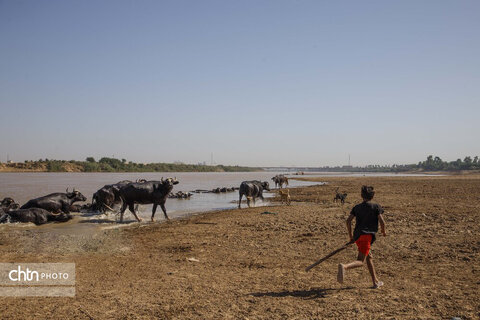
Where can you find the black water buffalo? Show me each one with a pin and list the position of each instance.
(108, 196)
(155, 192)
(35, 215)
(56, 202)
(279, 180)
(251, 190)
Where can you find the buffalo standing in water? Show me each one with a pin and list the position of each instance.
(280, 179)
(251, 190)
(56, 202)
(155, 192)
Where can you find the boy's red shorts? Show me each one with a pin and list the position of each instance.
(363, 243)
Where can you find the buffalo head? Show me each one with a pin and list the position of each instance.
(76, 195)
(9, 204)
(170, 181)
(7, 201)
(265, 185)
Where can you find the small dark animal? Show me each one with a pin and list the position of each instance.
(251, 190)
(56, 202)
(155, 192)
(35, 215)
(339, 196)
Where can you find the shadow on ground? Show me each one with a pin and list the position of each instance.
(313, 293)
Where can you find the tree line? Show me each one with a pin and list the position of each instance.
(431, 164)
(437, 164)
(106, 164)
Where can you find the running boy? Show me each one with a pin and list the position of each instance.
(367, 216)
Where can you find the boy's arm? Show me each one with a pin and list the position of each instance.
(382, 224)
(349, 226)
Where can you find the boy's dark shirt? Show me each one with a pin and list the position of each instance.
(366, 219)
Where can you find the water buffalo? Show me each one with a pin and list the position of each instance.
(107, 197)
(251, 190)
(280, 179)
(35, 215)
(56, 202)
(155, 192)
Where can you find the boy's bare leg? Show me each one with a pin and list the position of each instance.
(355, 264)
(371, 269)
(360, 262)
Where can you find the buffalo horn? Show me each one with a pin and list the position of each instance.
(108, 207)
(67, 190)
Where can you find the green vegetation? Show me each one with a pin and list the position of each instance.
(431, 164)
(436, 164)
(115, 165)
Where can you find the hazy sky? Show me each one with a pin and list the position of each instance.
(255, 82)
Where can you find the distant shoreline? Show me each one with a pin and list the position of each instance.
(431, 166)
(291, 175)
(114, 165)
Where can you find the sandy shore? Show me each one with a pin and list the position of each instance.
(251, 265)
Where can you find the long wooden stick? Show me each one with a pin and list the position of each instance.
(345, 246)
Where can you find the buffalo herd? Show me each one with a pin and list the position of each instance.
(56, 207)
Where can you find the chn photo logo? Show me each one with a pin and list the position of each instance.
(29, 275)
(37, 279)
